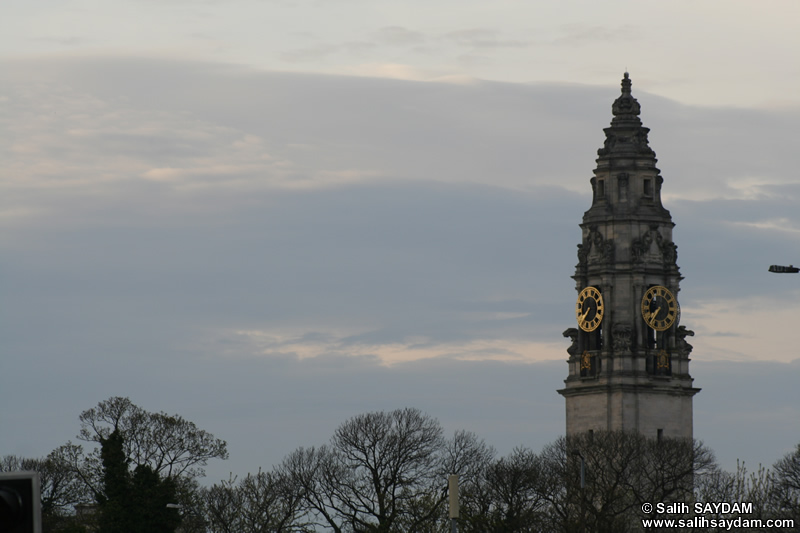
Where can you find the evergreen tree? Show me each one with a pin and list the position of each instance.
(137, 502)
(150, 495)
(115, 516)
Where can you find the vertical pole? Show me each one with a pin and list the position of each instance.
(583, 493)
(452, 486)
(583, 487)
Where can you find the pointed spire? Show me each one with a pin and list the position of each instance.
(626, 137)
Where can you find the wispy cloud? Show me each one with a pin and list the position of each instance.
(313, 344)
(783, 225)
(65, 41)
(585, 34)
(310, 53)
(399, 36)
(484, 38)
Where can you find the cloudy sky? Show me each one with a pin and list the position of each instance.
(269, 216)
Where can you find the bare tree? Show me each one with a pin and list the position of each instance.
(755, 488)
(222, 506)
(622, 470)
(170, 447)
(313, 473)
(786, 488)
(668, 469)
(468, 456)
(464, 455)
(507, 497)
(389, 460)
(381, 472)
(169, 444)
(260, 503)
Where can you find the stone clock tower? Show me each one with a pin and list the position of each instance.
(629, 359)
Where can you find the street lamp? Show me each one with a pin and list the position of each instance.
(778, 269)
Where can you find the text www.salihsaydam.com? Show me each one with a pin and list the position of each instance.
(725, 523)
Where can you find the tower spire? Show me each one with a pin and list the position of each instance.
(629, 359)
(626, 178)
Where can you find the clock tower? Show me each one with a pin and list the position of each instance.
(629, 358)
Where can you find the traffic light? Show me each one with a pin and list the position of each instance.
(20, 503)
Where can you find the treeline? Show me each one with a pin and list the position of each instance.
(387, 472)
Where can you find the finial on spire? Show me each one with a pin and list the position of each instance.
(626, 84)
(625, 105)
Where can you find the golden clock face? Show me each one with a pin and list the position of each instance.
(659, 308)
(589, 309)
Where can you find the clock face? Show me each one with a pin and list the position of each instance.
(589, 309)
(660, 309)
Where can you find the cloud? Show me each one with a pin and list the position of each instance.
(369, 345)
(584, 34)
(773, 224)
(399, 36)
(309, 54)
(266, 408)
(751, 328)
(483, 38)
(394, 71)
(73, 138)
(65, 41)
(211, 140)
(271, 253)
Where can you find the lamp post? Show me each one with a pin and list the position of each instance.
(452, 488)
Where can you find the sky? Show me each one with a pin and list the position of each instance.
(270, 216)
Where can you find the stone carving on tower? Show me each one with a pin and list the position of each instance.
(628, 358)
